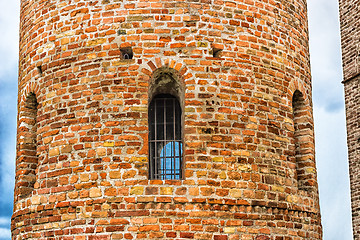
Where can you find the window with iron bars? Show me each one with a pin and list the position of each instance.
(165, 138)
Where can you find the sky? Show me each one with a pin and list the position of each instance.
(329, 114)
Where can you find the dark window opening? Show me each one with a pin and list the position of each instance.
(121, 32)
(165, 138)
(39, 70)
(126, 53)
(216, 52)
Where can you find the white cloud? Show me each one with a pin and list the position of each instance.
(9, 21)
(8, 142)
(5, 233)
(4, 221)
(325, 53)
(333, 175)
(7, 178)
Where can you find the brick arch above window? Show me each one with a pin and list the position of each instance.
(31, 88)
(166, 80)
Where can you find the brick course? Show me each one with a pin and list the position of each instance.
(249, 168)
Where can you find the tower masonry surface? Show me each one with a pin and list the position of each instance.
(350, 36)
(101, 152)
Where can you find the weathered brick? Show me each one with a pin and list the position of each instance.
(82, 166)
(350, 56)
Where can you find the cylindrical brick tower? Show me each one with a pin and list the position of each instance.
(165, 119)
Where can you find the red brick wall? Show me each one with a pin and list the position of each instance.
(242, 159)
(350, 36)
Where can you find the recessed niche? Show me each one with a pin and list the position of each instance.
(216, 52)
(121, 32)
(126, 53)
(27, 153)
(39, 70)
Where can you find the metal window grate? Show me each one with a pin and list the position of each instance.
(165, 138)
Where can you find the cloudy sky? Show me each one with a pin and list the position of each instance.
(329, 114)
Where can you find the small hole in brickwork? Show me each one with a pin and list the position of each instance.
(126, 53)
(39, 70)
(121, 32)
(216, 52)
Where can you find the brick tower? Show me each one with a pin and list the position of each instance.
(350, 36)
(165, 119)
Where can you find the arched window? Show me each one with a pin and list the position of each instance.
(165, 138)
